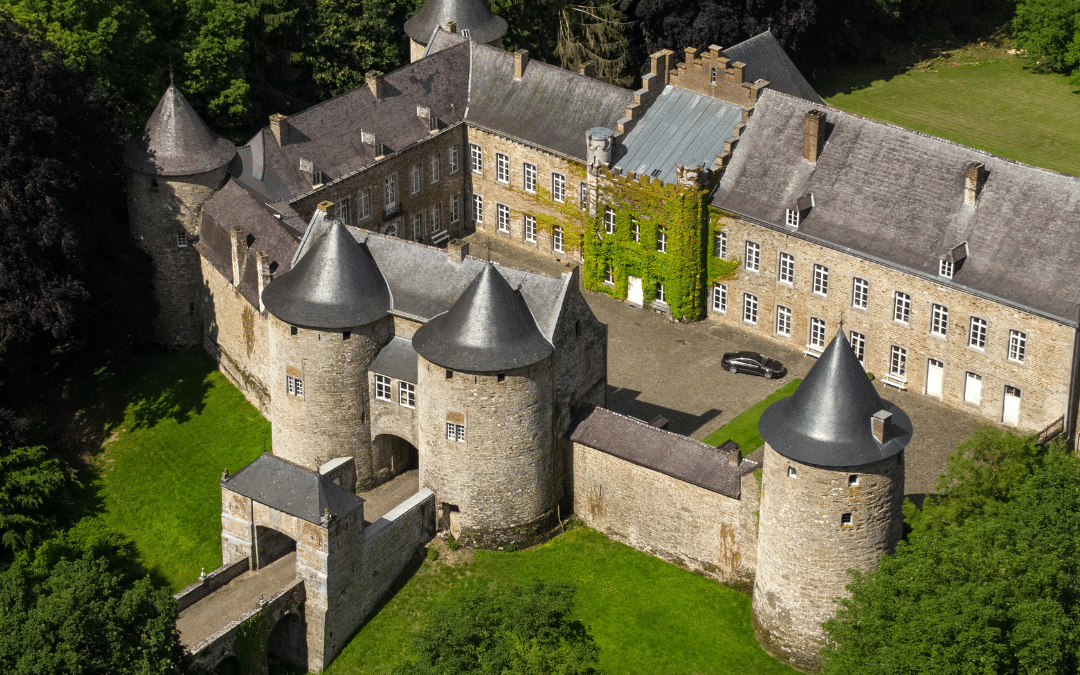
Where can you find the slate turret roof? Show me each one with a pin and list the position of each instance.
(176, 142)
(489, 328)
(336, 284)
(826, 422)
(472, 15)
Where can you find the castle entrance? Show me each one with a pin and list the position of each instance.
(396, 454)
(270, 545)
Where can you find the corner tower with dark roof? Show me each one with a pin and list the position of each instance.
(484, 410)
(175, 166)
(471, 18)
(329, 317)
(832, 487)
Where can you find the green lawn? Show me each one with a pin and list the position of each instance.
(178, 424)
(647, 616)
(979, 96)
(743, 429)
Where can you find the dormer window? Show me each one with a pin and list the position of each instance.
(802, 207)
(465, 33)
(792, 218)
(945, 268)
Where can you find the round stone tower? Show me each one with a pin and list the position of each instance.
(471, 18)
(329, 316)
(832, 486)
(176, 165)
(484, 411)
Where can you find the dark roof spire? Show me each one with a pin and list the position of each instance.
(335, 285)
(489, 328)
(176, 142)
(473, 16)
(827, 420)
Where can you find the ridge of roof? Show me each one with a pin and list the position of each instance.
(292, 489)
(176, 141)
(766, 59)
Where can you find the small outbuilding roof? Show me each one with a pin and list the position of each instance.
(336, 284)
(827, 421)
(176, 142)
(488, 328)
(470, 15)
(292, 490)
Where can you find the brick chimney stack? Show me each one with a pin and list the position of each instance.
(279, 128)
(262, 267)
(813, 135)
(239, 249)
(974, 176)
(588, 69)
(374, 79)
(521, 62)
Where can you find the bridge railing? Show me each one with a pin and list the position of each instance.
(209, 583)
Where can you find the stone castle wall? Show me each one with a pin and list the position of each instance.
(805, 550)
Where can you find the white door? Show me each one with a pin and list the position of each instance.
(1011, 410)
(935, 372)
(634, 291)
(973, 388)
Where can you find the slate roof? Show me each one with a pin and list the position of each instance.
(488, 328)
(335, 285)
(176, 142)
(897, 196)
(295, 491)
(472, 15)
(671, 454)
(765, 59)
(397, 360)
(826, 422)
(681, 127)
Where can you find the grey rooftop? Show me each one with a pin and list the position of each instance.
(472, 15)
(176, 142)
(766, 60)
(397, 360)
(292, 490)
(826, 422)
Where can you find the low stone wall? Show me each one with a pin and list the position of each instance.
(210, 583)
(392, 541)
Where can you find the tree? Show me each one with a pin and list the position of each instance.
(514, 630)
(1050, 31)
(595, 31)
(33, 497)
(82, 604)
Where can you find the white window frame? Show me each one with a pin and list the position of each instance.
(455, 208)
(436, 168)
(364, 200)
(558, 187)
(821, 280)
(390, 194)
(478, 208)
(435, 223)
(977, 329)
(719, 298)
(898, 363)
(1017, 346)
(502, 168)
(502, 218)
(418, 226)
(609, 220)
(860, 293)
(901, 307)
(858, 345)
(181, 240)
(752, 262)
(383, 388)
(528, 177)
(294, 386)
(660, 295)
(416, 178)
(661, 240)
(406, 394)
(454, 159)
(455, 432)
(945, 268)
(557, 239)
(783, 321)
(817, 333)
(635, 231)
(583, 195)
(720, 245)
(792, 219)
(476, 158)
(529, 223)
(609, 276)
(786, 269)
(750, 309)
(939, 320)
(344, 210)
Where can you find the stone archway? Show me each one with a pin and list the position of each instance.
(270, 545)
(286, 646)
(396, 453)
(230, 665)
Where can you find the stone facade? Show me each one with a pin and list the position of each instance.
(710, 74)
(816, 524)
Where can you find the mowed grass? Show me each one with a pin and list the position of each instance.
(646, 616)
(744, 428)
(157, 479)
(982, 97)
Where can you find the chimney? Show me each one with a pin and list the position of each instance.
(457, 250)
(731, 449)
(599, 142)
(451, 27)
(588, 69)
(262, 267)
(974, 176)
(879, 424)
(813, 135)
(374, 79)
(279, 128)
(324, 206)
(521, 62)
(239, 251)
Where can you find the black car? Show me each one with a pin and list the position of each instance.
(753, 363)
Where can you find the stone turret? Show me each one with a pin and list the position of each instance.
(471, 18)
(832, 487)
(484, 409)
(175, 166)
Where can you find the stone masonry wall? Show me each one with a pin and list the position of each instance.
(805, 552)
(1043, 377)
(684, 524)
(502, 476)
(711, 74)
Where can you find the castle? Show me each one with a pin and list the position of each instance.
(320, 265)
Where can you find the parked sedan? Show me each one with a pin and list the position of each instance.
(754, 364)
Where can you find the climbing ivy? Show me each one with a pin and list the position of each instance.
(249, 645)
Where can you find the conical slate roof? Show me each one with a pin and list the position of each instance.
(489, 328)
(826, 421)
(176, 142)
(335, 285)
(472, 15)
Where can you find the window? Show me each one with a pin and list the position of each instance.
(898, 362)
(455, 432)
(609, 220)
(945, 269)
(660, 293)
(783, 320)
(436, 218)
(365, 203)
(530, 228)
(901, 307)
(583, 195)
(406, 394)
(416, 177)
(558, 187)
(786, 273)
(528, 177)
(753, 256)
(478, 209)
(712, 75)
(845, 520)
(390, 192)
(977, 333)
(821, 279)
(792, 472)
(853, 481)
(720, 245)
(1017, 345)
(294, 386)
(635, 231)
(293, 330)
(860, 293)
(454, 160)
(719, 298)
(502, 168)
(436, 170)
(661, 240)
(556, 239)
(181, 240)
(418, 226)
(939, 320)
(382, 388)
(749, 308)
(344, 210)
(858, 345)
(792, 218)
(477, 158)
(502, 217)
(817, 333)
(455, 208)
(609, 276)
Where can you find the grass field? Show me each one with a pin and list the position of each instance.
(647, 616)
(979, 96)
(744, 428)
